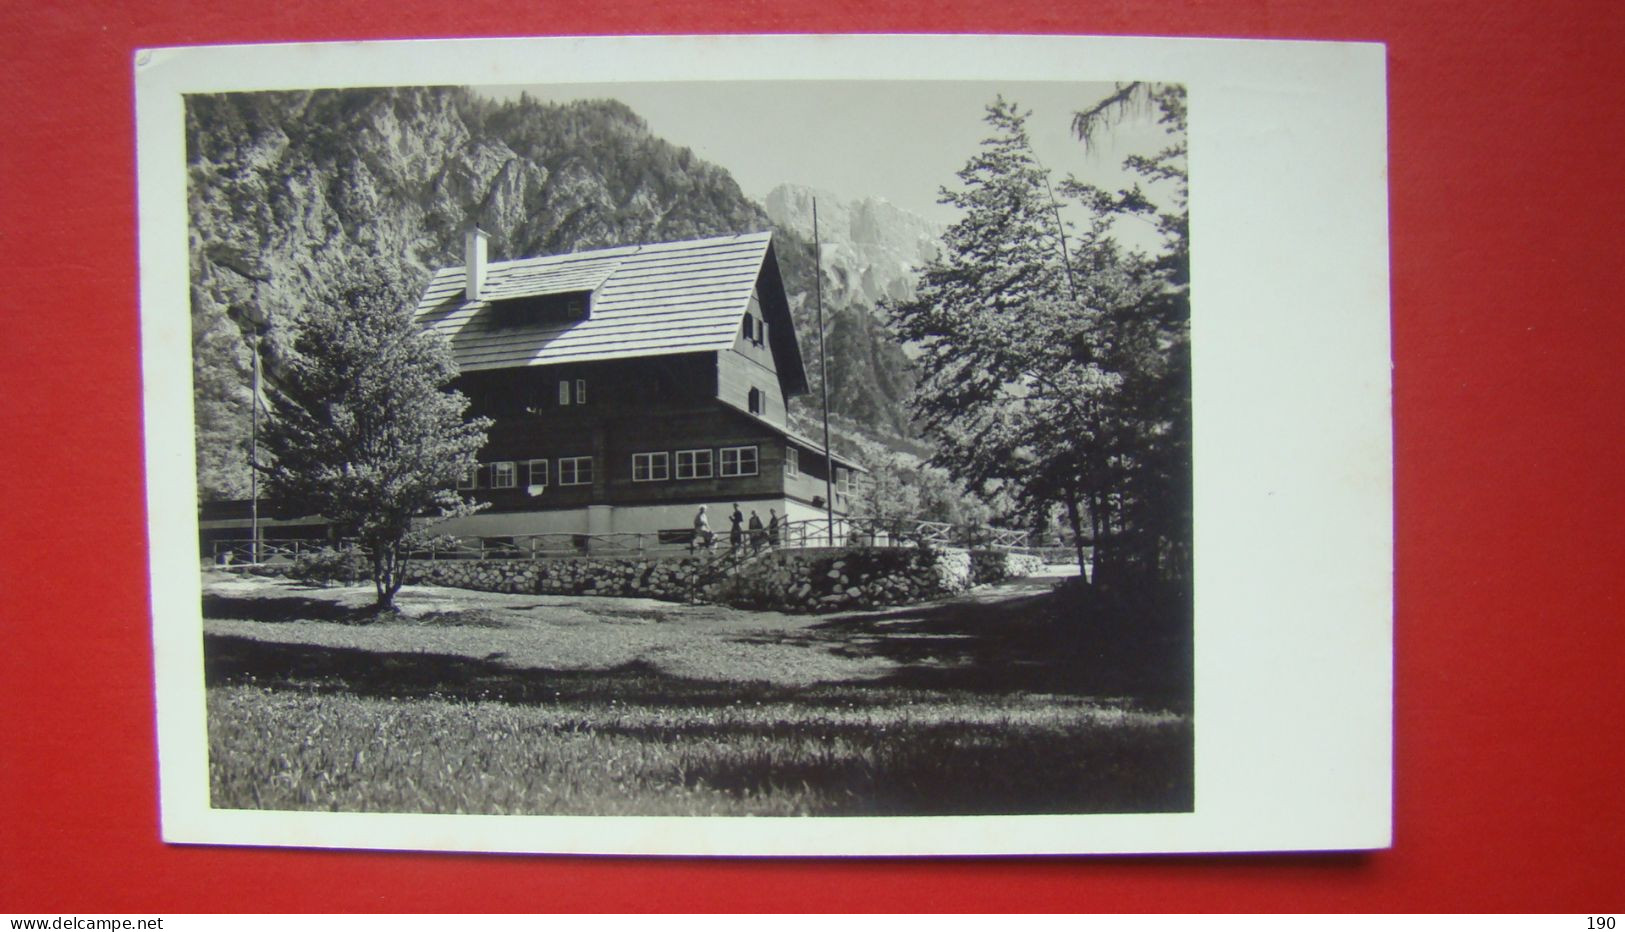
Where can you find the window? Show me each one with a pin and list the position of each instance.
(469, 478)
(738, 461)
(580, 391)
(650, 467)
(755, 399)
(536, 473)
(503, 475)
(749, 329)
(761, 331)
(693, 464)
(843, 481)
(539, 309)
(792, 461)
(575, 470)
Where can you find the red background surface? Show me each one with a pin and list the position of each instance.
(1506, 141)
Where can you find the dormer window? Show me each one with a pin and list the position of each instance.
(559, 308)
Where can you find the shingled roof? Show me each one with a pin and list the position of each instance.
(647, 300)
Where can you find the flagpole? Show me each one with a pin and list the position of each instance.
(823, 378)
(254, 458)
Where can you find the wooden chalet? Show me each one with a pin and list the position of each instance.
(630, 385)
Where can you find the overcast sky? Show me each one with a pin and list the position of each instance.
(896, 140)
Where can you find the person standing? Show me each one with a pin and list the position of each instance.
(758, 536)
(736, 533)
(773, 528)
(702, 531)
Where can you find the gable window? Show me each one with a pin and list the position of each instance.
(576, 388)
(536, 473)
(575, 470)
(693, 464)
(792, 461)
(650, 467)
(754, 329)
(504, 475)
(738, 461)
(755, 401)
(469, 477)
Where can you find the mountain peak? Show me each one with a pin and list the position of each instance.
(873, 250)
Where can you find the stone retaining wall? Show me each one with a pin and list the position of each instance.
(675, 580)
(831, 580)
(802, 580)
(989, 566)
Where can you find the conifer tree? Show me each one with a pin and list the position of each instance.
(1152, 512)
(1045, 358)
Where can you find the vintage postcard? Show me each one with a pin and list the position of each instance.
(770, 445)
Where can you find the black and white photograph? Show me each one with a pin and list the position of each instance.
(821, 449)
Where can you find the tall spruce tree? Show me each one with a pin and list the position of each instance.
(1046, 359)
(1153, 511)
(363, 430)
(1010, 389)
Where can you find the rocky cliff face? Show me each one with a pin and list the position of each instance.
(286, 186)
(872, 250)
(288, 189)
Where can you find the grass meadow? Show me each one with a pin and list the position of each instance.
(481, 703)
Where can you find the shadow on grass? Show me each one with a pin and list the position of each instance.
(283, 608)
(298, 608)
(1023, 643)
(938, 772)
(855, 748)
(996, 642)
(235, 660)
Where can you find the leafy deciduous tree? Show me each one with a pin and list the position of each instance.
(364, 431)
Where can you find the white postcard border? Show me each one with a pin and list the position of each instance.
(1291, 388)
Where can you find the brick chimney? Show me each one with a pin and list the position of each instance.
(474, 263)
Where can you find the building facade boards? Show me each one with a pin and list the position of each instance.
(628, 386)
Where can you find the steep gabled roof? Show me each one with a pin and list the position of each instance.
(649, 300)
